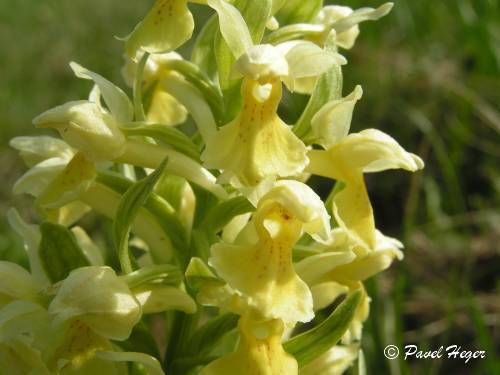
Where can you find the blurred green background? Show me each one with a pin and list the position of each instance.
(430, 75)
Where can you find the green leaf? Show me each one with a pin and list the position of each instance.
(171, 188)
(298, 11)
(159, 208)
(218, 217)
(206, 337)
(203, 51)
(204, 203)
(135, 197)
(59, 251)
(165, 134)
(200, 244)
(140, 340)
(203, 342)
(313, 343)
(328, 87)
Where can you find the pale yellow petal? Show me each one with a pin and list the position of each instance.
(324, 294)
(15, 283)
(165, 109)
(332, 122)
(353, 210)
(34, 150)
(75, 179)
(168, 25)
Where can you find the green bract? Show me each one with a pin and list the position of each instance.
(220, 250)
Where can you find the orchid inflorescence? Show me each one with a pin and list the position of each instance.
(222, 250)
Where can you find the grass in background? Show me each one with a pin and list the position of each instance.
(430, 75)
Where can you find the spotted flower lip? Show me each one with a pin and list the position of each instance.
(257, 143)
(270, 283)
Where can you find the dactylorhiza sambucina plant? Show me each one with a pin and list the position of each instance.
(221, 251)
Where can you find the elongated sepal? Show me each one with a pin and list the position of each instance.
(332, 122)
(117, 101)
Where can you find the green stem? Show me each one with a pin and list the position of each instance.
(138, 108)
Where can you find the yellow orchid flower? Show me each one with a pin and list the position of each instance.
(268, 281)
(163, 108)
(257, 143)
(259, 351)
(346, 160)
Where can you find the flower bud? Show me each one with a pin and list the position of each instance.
(86, 127)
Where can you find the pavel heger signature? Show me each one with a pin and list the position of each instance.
(450, 352)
